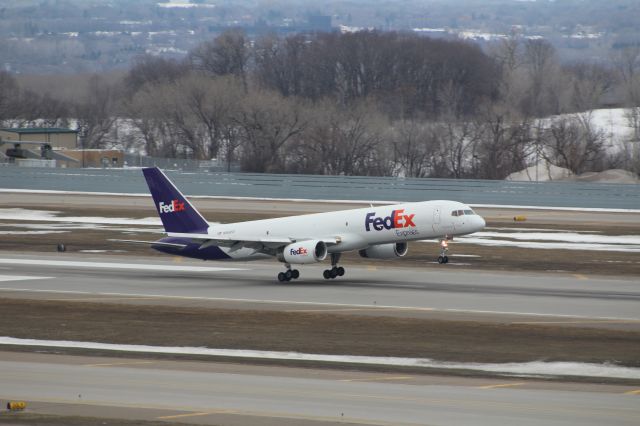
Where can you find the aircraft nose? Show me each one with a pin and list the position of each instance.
(481, 222)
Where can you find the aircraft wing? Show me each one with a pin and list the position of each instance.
(152, 243)
(239, 241)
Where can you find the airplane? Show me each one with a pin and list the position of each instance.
(375, 232)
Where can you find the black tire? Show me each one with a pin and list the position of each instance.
(440, 259)
(288, 275)
(446, 259)
(333, 273)
(326, 274)
(62, 248)
(282, 277)
(295, 274)
(340, 271)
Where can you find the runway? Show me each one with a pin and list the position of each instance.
(387, 290)
(232, 394)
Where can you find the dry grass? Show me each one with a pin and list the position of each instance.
(314, 333)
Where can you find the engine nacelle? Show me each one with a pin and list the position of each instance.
(385, 251)
(310, 251)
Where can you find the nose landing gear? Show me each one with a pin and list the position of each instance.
(335, 271)
(444, 248)
(289, 274)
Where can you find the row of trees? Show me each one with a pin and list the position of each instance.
(368, 103)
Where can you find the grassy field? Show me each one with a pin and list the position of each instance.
(323, 333)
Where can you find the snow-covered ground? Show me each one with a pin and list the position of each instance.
(52, 216)
(551, 239)
(618, 134)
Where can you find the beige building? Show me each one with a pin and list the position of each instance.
(105, 158)
(54, 136)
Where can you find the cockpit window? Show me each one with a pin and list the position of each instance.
(469, 212)
(454, 213)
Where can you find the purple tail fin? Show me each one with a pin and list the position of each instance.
(176, 213)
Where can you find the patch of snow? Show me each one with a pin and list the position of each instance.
(31, 232)
(553, 240)
(552, 245)
(572, 237)
(51, 216)
(479, 35)
(535, 368)
(116, 265)
(607, 176)
(498, 228)
(541, 172)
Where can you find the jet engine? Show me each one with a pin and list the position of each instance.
(310, 251)
(385, 251)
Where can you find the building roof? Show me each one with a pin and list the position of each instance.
(35, 130)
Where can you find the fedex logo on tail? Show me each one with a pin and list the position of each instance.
(173, 206)
(298, 252)
(397, 219)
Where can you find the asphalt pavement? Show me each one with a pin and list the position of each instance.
(213, 393)
(392, 290)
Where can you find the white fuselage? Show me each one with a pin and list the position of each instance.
(360, 228)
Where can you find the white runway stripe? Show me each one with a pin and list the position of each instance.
(20, 278)
(114, 265)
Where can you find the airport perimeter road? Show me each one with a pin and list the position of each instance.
(211, 393)
(391, 290)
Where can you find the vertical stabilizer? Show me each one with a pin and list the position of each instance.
(176, 213)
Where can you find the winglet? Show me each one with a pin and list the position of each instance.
(175, 211)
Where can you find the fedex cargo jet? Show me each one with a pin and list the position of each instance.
(375, 232)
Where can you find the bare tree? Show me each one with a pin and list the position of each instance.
(573, 143)
(347, 141)
(267, 122)
(96, 113)
(280, 63)
(414, 147)
(9, 96)
(504, 144)
(148, 69)
(226, 54)
(590, 83)
(540, 59)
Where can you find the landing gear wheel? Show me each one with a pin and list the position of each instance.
(282, 277)
(445, 259)
(295, 274)
(288, 274)
(335, 271)
(440, 259)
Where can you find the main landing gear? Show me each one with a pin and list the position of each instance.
(289, 274)
(444, 248)
(335, 271)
